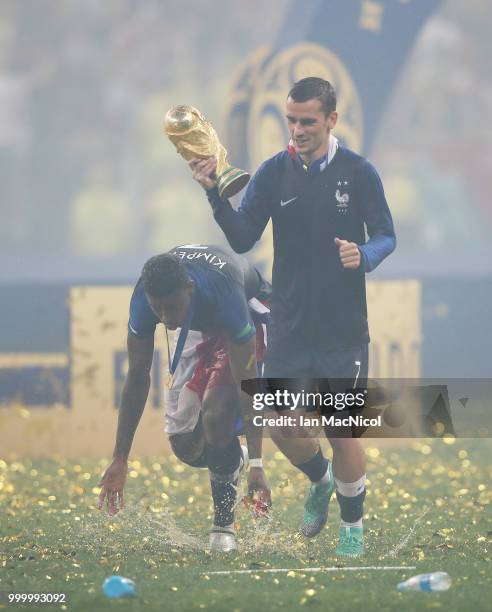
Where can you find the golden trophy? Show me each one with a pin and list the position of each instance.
(194, 136)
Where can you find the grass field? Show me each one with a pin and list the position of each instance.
(428, 505)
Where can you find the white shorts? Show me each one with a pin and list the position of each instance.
(182, 405)
(183, 402)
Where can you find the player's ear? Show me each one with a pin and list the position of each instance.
(332, 119)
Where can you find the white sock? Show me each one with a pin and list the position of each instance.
(356, 524)
(351, 489)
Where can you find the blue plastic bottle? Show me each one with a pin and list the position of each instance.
(435, 581)
(117, 586)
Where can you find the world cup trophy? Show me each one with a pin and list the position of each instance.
(194, 137)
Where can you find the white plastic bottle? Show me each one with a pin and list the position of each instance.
(435, 581)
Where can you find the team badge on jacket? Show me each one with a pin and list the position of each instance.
(342, 199)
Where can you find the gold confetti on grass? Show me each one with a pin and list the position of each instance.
(68, 538)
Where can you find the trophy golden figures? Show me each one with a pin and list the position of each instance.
(194, 136)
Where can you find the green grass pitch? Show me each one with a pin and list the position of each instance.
(428, 505)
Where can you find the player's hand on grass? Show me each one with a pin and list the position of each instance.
(112, 484)
(203, 171)
(349, 254)
(258, 486)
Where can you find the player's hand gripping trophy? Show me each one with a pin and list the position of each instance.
(194, 137)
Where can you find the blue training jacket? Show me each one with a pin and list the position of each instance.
(315, 301)
(223, 284)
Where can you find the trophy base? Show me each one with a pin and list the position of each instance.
(231, 182)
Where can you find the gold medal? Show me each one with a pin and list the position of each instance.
(169, 381)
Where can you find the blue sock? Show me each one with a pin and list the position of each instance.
(223, 464)
(315, 468)
(351, 508)
(200, 461)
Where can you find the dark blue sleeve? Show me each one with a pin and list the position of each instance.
(377, 217)
(233, 314)
(243, 227)
(142, 321)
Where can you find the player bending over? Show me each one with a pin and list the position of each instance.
(204, 291)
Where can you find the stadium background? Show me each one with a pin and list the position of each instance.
(90, 187)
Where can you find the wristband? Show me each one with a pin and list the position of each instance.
(256, 463)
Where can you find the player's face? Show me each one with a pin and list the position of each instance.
(171, 310)
(309, 128)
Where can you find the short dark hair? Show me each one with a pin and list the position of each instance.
(164, 274)
(314, 88)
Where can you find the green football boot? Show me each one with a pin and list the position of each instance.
(316, 507)
(351, 543)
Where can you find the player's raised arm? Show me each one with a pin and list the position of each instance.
(134, 396)
(203, 171)
(242, 227)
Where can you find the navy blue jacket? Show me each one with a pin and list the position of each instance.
(315, 301)
(223, 284)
